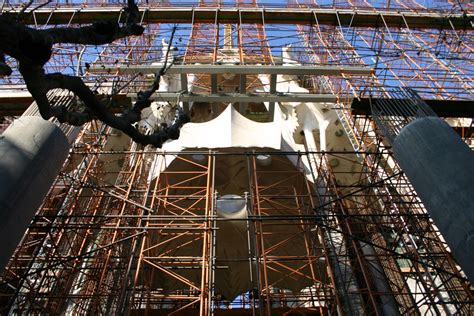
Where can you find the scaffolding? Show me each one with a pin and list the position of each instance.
(109, 240)
(127, 229)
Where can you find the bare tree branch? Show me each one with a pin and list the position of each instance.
(98, 33)
(5, 70)
(25, 7)
(33, 48)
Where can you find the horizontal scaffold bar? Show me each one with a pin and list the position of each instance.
(236, 69)
(352, 17)
(238, 97)
(15, 103)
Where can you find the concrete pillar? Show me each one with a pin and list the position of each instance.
(441, 168)
(32, 152)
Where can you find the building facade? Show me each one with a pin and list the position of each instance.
(284, 195)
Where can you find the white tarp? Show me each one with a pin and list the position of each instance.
(229, 129)
(232, 129)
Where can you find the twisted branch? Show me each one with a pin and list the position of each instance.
(33, 48)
